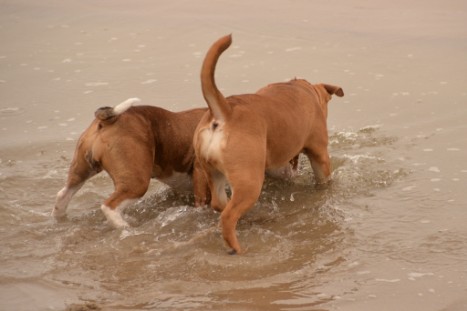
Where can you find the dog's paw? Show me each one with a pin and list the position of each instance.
(114, 217)
(239, 251)
(323, 184)
(58, 213)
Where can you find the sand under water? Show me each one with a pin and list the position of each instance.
(389, 233)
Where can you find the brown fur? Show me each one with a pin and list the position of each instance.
(241, 136)
(141, 143)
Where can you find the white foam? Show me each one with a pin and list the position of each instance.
(388, 280)
(171, 214)
(237, 55)
(363, 272)
(358, 157)
(408, 188)
(434, 169)
(294, 48)
(94, 84)
(129, 232)
(371, 127)
(10, 110)
(416, 275)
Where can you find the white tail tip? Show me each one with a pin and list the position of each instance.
(122, 107)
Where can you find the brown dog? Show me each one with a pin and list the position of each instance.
(134, 144)
(242, 136)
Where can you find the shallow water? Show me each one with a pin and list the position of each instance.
(388, 234)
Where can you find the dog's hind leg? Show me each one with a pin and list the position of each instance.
(130, 166)
(246, 189)
(127, 191)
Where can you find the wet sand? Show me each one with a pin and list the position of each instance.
(388, 234)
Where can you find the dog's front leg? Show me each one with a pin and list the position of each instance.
(321, 165)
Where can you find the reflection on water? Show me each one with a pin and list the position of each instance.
(173, 256)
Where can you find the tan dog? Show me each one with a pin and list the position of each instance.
(243, 135)
(134, 144)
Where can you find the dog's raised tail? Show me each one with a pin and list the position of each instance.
(217, 103)
(110, 113)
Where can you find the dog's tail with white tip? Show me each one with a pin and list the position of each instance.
(217, 103)
(109, 113)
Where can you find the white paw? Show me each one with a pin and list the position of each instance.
(114, 217)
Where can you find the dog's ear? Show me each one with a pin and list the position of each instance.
(334, 90)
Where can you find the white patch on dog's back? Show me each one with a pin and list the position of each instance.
(122, 107)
